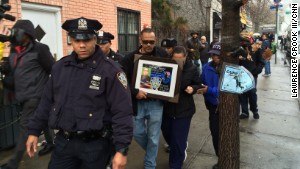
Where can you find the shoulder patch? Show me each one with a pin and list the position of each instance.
(122, 78)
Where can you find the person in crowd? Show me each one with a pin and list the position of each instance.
(169, 44)
(204, 48)
(215, 40)
(31, 63)
(104, 42)
(193, 48)
(210, 80)
(266, 45)
(147, 111)
(87, 99)
(254, 63)
(177, 116)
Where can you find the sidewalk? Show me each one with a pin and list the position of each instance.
(272, 142)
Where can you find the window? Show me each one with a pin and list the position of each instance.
(128, 30)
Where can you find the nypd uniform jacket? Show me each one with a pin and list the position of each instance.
(85, 96)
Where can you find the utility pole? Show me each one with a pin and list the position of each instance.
(276, 33)
(229, 138)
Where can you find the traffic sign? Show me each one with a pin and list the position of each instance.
(274, 6)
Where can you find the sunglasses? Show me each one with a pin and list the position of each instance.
(146, 42)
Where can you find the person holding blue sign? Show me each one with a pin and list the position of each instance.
(210, 80)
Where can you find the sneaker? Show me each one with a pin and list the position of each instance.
(185, 152)
(244, 116)
(266, 75)
(167, 148)
(255, 115)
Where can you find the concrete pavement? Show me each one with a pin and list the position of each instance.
(272, 142)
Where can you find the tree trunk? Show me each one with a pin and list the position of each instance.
(229, 142)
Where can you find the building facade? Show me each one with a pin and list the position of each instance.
(124, 19)
(203, 16)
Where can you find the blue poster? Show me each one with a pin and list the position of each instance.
(235, 79)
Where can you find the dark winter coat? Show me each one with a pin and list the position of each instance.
(186, 105)
(256, 65)
(115, 56)
(128, 67)
(86, 96)
(30, 68)
(204, 55)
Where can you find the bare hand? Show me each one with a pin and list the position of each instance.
(141, 95)
(241, 57)
(202, 90)
(189, 90)
(192, 50)
(119, 161)
(31, 145)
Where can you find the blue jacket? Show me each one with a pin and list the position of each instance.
(86, 96)
(210, 78)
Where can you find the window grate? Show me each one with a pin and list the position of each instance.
(128, 30)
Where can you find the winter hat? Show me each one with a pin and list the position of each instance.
(27, 26)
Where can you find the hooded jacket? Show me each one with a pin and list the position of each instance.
(186, 105)
(30, 66)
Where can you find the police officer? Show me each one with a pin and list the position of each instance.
(168, 45)
(104, 41)
(87, 99)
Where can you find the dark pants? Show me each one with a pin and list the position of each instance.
(214, 125)
(76, 153)
(28, 107)
(175, 132)
(251, 98)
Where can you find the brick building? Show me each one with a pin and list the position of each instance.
(124, 19)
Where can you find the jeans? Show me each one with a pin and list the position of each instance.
(146, 131)
(176, 133)
(267, 67)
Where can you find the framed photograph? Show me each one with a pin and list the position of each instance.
(158, 77)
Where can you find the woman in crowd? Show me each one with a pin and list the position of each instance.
(177, 116)
(210, 80)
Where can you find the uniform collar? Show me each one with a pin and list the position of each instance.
(91, 62)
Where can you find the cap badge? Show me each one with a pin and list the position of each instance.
(82, 24)
(165, 43)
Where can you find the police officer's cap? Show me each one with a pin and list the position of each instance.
(105, 37)
(82, 28)
(169, 43)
